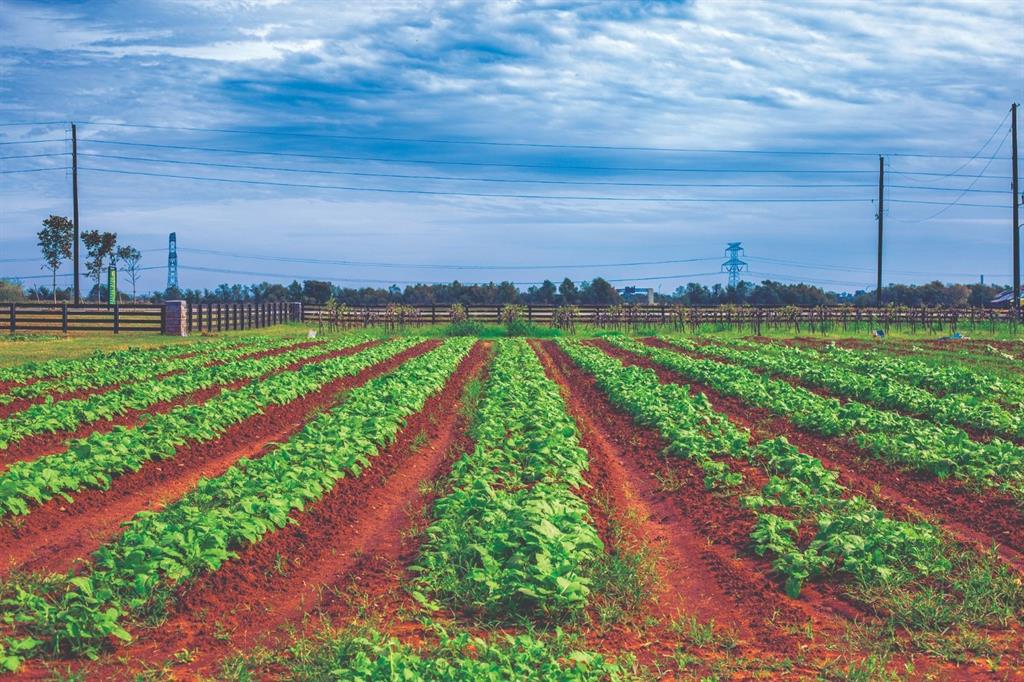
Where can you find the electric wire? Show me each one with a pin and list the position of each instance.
(492, 143)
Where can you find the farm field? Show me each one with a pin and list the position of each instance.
(421, 506)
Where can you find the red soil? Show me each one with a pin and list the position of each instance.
(291, 572)
(717, 574)
(42, 444)
(23, 403)
(57, 534)
(981, 519)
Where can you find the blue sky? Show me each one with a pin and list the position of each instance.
(382, 84)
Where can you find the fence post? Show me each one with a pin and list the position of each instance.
(14, 318)
(64, 318)
(117, 318)
(174, 318)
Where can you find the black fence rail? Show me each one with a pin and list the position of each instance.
(62, 318)
(215, 317)
(799, 319)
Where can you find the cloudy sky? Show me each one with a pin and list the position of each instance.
(392, 141)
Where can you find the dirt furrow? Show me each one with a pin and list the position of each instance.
(42, 444)
(288, 575)
(710, 531)
(978, 518)
(56, 534)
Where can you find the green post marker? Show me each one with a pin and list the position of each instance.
(111, 285)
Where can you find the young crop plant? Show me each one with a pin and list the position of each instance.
(135, 369)
(101, 361)
(157, 550)
(95, 460)
(511, 538)
(689, 424)
(875, 389)
(943, 451)
(66, 415)
(944, 379)
(851, 535)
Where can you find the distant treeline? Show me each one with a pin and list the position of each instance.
(597, 291)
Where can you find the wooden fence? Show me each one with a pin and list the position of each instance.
(682, 317)
(56, 318)
(62, 318)
(215, 317)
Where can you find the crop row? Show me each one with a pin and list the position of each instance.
(207, 526)
(93, 461)
(100, 361)
(906, 441)
(852, 535)
(136, 369)
(875, 389)
(948, 378)
(511, 538)
(66, 415)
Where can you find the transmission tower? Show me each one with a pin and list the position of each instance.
(734, 265)
(172, 262)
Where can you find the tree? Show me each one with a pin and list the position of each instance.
(568, 291)
(546, 292)
(601, 292)
(11, 290)
(98, 245)
(130, 256)
(55, 241)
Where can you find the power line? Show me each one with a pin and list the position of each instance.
(54, 139)
(855, 268)
(960, 196)
(982, 147)
(69, 274)
(412, 282)
(149, 159)
(439, 266)
(539, 145)
(940, 203)
(483, 194)
(33, 170)
(33, 123)
(32, 156)
(461, 178)
(445, 162)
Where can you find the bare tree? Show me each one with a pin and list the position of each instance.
(55, 241)
(130, 256)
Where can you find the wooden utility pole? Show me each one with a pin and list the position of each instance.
(881, 213)
(74, 202)
(1016, 214)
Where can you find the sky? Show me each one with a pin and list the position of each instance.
(390, 142)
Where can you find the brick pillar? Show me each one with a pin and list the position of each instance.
(294, 312)
(175, 318)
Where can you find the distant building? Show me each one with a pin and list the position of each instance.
(1003, 300)
(637, 295)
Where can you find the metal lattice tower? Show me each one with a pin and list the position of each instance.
(734, 265)
(172, 262)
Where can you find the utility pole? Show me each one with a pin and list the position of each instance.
(74, 201)
(881, 214)
(1016, 215)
